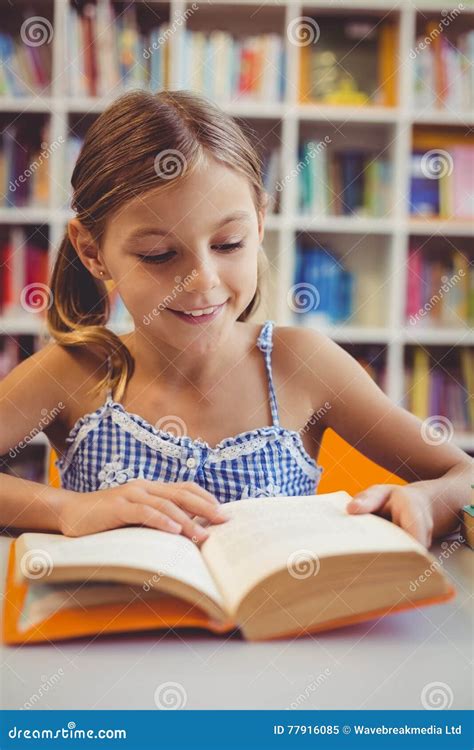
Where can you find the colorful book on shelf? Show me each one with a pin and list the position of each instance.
(323, 289)
(443, 69)
(24, 166)
(223, 66)
(433, 390)
(350, 62)
(280, 567)
(354, 181)
(25, 68)
(23, 268)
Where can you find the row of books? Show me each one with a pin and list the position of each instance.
(25, 68)
(433, 389)
(24, 164)
(112, 53)
(440, 289)
(442, 182)
(343, 183)
(347, 61)
(225, 68)
(444, 70)
(24, 269)
(323, 289)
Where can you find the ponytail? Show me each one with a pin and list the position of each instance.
(79, 314)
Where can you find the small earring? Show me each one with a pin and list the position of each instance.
(101, 273)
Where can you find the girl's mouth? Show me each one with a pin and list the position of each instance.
(198, 316)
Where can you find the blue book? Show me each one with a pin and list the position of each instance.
(424, 190)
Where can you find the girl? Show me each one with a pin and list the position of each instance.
(197, 406)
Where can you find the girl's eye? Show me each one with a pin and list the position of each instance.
(225, 248)
(229, 246)
(156, 258)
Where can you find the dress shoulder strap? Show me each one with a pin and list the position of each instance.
(265, 344)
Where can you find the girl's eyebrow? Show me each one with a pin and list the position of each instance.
(146, 231)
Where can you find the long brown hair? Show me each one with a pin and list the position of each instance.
(117, 162)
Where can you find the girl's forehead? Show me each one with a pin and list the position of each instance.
(198, 198)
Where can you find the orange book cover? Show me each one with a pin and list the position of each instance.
(168, 612)
(388, 41)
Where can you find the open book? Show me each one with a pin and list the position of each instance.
(281, 566)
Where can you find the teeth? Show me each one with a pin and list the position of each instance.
(197, 313)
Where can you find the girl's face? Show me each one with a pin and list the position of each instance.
(188, 247)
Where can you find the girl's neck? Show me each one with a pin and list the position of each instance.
(156, 360)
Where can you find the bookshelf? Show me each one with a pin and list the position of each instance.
(391, 128)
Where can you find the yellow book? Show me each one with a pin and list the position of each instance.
(387, 57)
(420, 384)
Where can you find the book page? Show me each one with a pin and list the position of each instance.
(159, 552)
(264, 535)
(45, 599)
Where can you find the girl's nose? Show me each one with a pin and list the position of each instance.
(202, 276)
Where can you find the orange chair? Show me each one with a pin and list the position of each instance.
(345, 468)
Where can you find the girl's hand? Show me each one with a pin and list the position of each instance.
(168, 506)
(409, 506)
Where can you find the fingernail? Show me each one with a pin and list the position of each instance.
(221, 515)
(173, 526)
(202, 532)
(355, 504)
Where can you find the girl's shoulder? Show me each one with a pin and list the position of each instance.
(42, 390)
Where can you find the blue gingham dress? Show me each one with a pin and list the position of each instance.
(111, 446)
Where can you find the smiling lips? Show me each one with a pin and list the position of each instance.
(198, 316)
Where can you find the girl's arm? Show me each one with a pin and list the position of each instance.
(33, 396)
(438, 472)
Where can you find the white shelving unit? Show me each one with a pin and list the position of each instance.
(285, 227)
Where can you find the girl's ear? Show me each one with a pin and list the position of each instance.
(86, 248)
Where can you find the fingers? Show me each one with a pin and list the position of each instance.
(371, 499)
(178, 505)
(189, 500)
(413, 519)
(145, 515)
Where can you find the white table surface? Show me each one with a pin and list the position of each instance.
(382, 664)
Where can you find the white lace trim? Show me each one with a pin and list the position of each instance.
(168, 448)
(153, 441)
